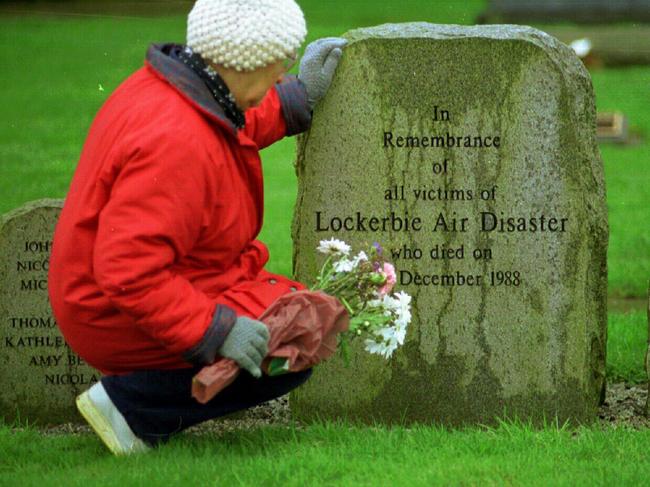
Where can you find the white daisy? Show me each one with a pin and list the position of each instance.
(383, 349)
(386, 332)
(403, 319)
(388, 350)
(404, 299)
(343, 265)
(333, 247)
(347, 265)
(390, 303)
(360, 257)
(400, 334)
(403, 305)
(372, 346)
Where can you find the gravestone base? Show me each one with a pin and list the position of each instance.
(430, 395)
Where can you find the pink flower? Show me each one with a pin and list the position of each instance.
(391, 279)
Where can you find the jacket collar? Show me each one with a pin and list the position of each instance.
(188, 83)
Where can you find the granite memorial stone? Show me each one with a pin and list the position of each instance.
(39, 375)
(588, 11)
(469, 153)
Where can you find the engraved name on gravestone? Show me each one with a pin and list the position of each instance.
(39, 375)
(469, 153)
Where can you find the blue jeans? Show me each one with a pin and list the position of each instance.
(158, 403)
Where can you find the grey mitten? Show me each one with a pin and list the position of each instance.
(247, 344)
(317, 66)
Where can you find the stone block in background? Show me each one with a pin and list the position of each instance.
(588, 11)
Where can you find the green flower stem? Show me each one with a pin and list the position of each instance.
(321, 275)
(343, 283)
(331, 285)
(347, 305)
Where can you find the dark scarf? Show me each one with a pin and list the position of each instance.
(214, 82)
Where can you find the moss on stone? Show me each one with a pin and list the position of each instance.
(472, 354)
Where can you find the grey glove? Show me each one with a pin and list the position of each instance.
(247, 344)
(317, 66)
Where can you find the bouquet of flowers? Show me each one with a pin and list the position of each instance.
(363, 283)
(307, 327)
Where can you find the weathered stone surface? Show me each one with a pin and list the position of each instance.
(39, 374)
(474, 352)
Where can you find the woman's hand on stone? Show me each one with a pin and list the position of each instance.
(318, 64)
(247, 344)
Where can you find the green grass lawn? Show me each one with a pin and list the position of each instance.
(339, 454)
(627, 337)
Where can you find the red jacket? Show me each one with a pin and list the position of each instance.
(155, 251)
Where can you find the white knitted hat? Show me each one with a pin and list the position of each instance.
(245, 34)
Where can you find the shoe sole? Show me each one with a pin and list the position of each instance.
(99, 423)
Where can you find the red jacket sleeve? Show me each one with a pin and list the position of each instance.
(153, 217)
(283, 111)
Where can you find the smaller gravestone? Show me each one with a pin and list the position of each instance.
(40, 376)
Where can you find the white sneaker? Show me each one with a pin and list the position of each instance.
(109, 424)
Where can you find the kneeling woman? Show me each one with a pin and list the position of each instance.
(156, 270)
